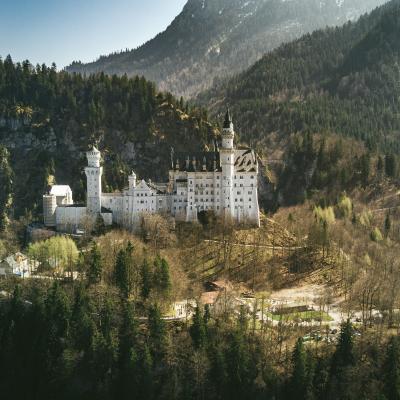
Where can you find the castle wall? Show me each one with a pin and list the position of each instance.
(114, 202)
(68, 219)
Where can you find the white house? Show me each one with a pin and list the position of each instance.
(16, 265)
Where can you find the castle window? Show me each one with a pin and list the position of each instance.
(250, 193)
(249, 199)
(249, 206)
(252, 177)
(241, 177)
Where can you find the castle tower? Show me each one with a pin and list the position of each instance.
(94, 173)
(132, 182)
(227, 155)
(49, 210)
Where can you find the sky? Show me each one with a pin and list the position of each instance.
(46, 31)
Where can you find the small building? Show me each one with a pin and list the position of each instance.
(16, 265)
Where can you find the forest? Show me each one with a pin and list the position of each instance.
(105, 336)
(48, 120)
(342, 80)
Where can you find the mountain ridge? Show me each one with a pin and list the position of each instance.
(210, 40)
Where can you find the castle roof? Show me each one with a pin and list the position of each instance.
(197, 162)
(228, 120)
(245, 160)
(60, 190)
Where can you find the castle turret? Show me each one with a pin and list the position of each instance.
(227, 155)
(94, 173)
(49, 210)
(132, 182)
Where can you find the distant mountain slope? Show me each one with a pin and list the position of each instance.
(339, 80)
(216, 38)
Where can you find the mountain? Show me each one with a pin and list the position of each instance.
(49, 119)
(213, 39)
(337, 82)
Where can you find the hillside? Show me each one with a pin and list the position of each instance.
(337, 82)
(49, 119)
(214, 39)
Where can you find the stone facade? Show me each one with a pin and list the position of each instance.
(224, 181)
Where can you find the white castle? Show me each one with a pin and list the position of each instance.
(223, 181)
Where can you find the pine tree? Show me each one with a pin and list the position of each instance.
(146, 279)
(95, 266)
(127, 354)
(161, 275)
(241, 368)
(198, 330)
(146, 378)
(157, 333)
(339, 385)
(391, 370)
(121, 273)
(298, 381)
(388, 225)
(391, 165)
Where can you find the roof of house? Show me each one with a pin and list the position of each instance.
(12, 260)
(209, 298)
(60, 190)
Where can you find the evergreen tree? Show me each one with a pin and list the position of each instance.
(128, 354)
(241, 368)
(388, 225)
(82, 325)
(391, 165)
(95, 267)
(198, 329)
(340, 381)
(157, 333)
(162, 279)
(298, 381)
(391, 370)
(146, 279)
(146, 378)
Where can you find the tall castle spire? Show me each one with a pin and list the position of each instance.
(228, 120)
(228, 133)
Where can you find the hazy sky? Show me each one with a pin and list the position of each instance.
(63, 31)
